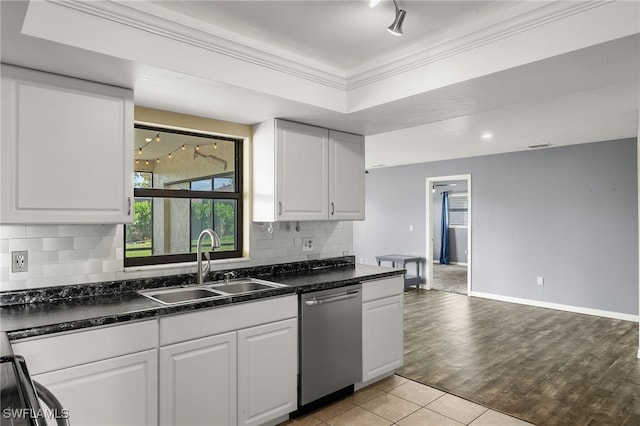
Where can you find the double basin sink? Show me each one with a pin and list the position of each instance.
(212, 290)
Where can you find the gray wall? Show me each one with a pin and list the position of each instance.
(568, 214)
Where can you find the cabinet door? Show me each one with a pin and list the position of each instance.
(67, 149)
(302, 172)
(267, 371)
(198, 382)
(382, 337)
(346, 176)
(117, 391)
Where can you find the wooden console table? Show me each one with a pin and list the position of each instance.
(397, 259)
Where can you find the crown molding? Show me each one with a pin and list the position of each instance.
(491, 33)
(151, 18)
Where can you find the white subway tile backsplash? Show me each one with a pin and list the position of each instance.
(73, 255)
(58, 243)
(88, 267)
(59, 270)
(42, 231)
(30, 244)
(111, 265)
(5, 260)
(87, 243)
(13, 231)
(77, 254)
(43, 257)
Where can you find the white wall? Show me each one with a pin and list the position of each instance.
(76, 254)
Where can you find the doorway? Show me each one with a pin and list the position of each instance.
(458, 231)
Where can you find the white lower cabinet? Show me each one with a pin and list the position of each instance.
(382, 342)
(267, 371)
(382, 328)
(198, 381)
(229, 365)
(116, 391)
(103, 376)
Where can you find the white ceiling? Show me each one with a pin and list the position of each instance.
(529, 72)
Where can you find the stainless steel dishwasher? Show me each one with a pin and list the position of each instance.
(330, 342)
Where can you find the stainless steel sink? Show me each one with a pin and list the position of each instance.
(175, 295)
(180, 295)
(243, 285)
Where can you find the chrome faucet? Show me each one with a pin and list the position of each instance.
(215, 243)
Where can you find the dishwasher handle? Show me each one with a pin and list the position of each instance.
(333, 298)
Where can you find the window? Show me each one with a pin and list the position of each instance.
(458, 210)
(184, 182)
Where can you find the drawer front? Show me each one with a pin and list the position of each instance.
(183, 327)
(379, 289)
(69, 349)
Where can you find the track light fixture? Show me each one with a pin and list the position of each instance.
(396, 27)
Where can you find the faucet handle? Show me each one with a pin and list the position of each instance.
(228, 275)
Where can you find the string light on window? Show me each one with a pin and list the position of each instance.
(168, 155)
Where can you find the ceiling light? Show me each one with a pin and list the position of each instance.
(373, 3)
(396, 27)
(487, 136)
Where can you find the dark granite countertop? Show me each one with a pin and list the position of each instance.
(72, 313)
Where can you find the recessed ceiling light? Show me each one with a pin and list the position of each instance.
(487, 136)
(540, 145)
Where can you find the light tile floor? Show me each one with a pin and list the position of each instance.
(399, 401)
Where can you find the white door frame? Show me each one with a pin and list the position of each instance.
(429, 262)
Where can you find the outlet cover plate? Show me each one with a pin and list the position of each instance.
(19, 261)
(307, 244)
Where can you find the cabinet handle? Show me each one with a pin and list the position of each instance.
(279, 208)
(129, 206)
(333, 208)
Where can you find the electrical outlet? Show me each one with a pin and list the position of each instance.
(307, 244)
(540, 281)
(19, 261)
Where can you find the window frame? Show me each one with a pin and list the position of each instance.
(237, 195)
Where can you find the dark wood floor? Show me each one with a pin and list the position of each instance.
(544, 366)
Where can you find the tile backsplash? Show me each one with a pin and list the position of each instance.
(77, 254)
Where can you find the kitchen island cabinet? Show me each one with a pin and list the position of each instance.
(67, 150)
(303, 172)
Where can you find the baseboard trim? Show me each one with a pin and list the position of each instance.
(559, 307)
(437, 262)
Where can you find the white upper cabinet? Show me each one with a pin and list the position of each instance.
(67, 150)
(303, 172)
(346, 176)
